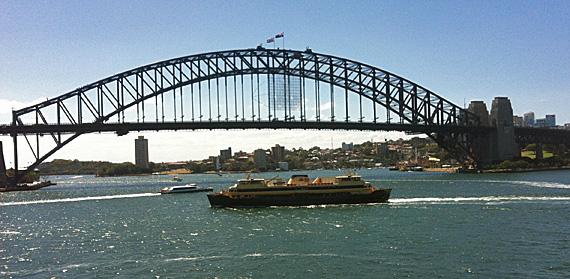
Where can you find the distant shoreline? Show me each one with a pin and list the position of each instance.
(442, 170)
(525, 170)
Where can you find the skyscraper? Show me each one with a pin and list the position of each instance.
(347, 146)
(278, 153)
(551, 120)
(529, 118)
(225, 154)
(141, 152)
(260, 158)
(518, 121)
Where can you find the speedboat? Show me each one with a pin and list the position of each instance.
(185, 189)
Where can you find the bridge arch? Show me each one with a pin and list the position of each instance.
(248, 88)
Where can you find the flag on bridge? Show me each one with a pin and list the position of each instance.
(280, 35)
(272, 40)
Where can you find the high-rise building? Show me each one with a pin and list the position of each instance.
(529, 118)
(518, 120)
(141, 152)
(540, 122)
(382, 149)
(260, 159)
(278, 153)
(225, 154)
(284, 93)
(551, 120)
(347, 146)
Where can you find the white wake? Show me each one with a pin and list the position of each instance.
(81, 199)
(476, 199)
(542, 184)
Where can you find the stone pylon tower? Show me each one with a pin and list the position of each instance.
(499, 145)
(503, 145)
(3, 176)
(481, 146)
(480, 109)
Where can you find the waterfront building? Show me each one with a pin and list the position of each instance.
(260, 159)
(177, 165)
(242, 158)
(141, 152)
(529, 118)
(284, 166)
(278, 153)
(240, 154)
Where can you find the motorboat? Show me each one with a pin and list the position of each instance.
(188, 188)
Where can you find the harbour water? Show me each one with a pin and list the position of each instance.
(435, 225)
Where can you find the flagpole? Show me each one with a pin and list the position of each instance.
(282, 37)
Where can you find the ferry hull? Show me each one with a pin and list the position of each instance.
(378, 196)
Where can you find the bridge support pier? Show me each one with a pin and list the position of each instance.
(538, 151)
(562, 150)
(518, 150)
(3, 176)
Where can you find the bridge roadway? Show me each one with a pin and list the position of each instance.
(523, 135)
(123, 128)
(526, 135)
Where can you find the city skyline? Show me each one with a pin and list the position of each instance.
(491, 49)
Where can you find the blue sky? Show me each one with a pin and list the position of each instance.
(462, 50)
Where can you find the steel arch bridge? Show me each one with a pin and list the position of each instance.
(245, 89)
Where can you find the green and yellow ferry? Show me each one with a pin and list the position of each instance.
(299, 191)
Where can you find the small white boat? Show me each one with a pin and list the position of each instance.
(185, 189)
(176, 178)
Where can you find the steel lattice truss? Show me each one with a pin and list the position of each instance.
(231, 89)
(526, 135)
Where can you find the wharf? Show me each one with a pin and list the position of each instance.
(456, 169)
